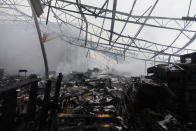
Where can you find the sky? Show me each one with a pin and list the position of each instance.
(19, 45)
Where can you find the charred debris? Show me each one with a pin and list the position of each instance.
(164, 100)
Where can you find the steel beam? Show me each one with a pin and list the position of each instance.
(113, 20)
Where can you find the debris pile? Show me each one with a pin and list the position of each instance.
(152, 108)
(92, 101)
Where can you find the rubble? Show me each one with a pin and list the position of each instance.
(96, 101)
(1, 72)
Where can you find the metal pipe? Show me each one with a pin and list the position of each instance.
(40, 40)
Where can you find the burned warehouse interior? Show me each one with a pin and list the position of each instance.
(107, 65)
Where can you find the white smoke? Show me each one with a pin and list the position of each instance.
(20, 49)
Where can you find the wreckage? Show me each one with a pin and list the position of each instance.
(164, 100)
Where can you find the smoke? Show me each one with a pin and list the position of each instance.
(128, 67)
(20, 49)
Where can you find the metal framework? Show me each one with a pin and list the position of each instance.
(104, 28)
